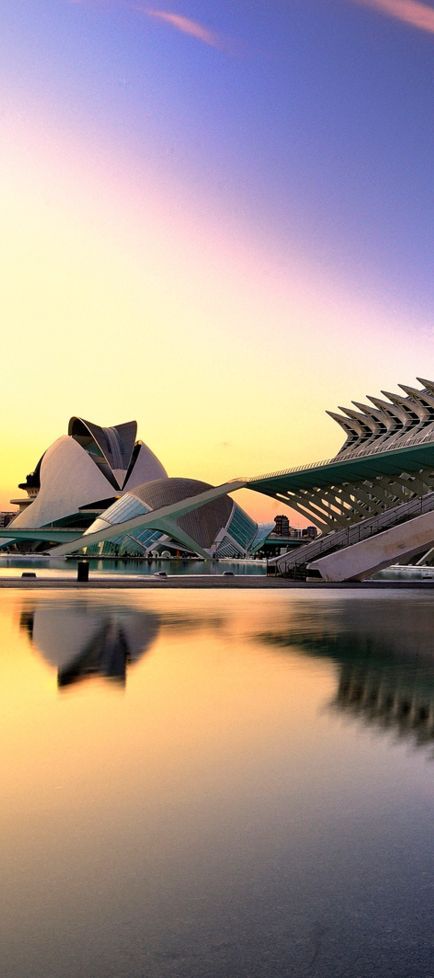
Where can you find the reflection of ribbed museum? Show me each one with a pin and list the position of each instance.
(387, 700)
(383, 652)
(381, 649)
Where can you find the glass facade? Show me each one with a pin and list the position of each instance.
(126, 508)
(236, 530)
(145, 539)
(241, 528)
(227, 549)
(263, 531)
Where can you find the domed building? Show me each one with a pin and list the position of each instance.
(219, 528)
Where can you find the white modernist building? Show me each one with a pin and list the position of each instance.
(372, 503)
(82, 473)
(217, 528)
(92, 482)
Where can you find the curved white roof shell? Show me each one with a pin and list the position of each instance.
(89, 465)
(69, 480)
(147, 467)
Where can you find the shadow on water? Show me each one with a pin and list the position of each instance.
(384, 655)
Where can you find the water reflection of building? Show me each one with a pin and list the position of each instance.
(83, 639)
(384, 655)
(390, 702)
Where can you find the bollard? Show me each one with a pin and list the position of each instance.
(83, 571)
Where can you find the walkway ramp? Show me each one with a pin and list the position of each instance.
(365, 558)
(294, 563)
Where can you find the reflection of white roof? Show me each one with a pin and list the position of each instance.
(63, 633)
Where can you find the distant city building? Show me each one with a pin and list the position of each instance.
(281, 526)
(309, 532)
(6, 517)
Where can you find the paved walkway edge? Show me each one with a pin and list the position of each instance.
(245, 582)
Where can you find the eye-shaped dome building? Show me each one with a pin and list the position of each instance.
(219, 528)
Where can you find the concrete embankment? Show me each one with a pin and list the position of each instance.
(201, 581)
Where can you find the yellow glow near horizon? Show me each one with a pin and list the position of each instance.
(120, 302)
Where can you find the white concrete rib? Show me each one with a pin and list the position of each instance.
(160, 519)
(387, 422)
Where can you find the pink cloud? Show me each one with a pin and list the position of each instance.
(185, 25)
(412, 12)
(178, 21)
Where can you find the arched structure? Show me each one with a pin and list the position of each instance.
(382, 477)
(82, 473)
(217, 527)
(387, 458)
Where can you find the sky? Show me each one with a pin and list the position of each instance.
(217, 219)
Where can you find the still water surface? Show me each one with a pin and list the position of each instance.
(13, 566)
(217, 784)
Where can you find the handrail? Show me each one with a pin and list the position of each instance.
(410, 442)
(348, 535)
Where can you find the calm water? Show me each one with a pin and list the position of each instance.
(217, 784)
(13, 566)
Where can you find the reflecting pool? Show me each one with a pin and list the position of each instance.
(13, 565)
(217, 784)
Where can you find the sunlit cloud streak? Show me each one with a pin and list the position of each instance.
(412, 12)
(178, 21)
(184, 24)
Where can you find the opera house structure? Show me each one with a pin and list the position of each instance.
(98, 490)
(95, 478)
(82, 473)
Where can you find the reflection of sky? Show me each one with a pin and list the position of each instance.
(217, 818)
(269, 195)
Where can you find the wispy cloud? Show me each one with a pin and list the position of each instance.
(185, 25)
(412, 12)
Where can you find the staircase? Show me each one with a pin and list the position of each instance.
(294, 563)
